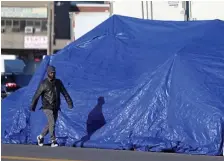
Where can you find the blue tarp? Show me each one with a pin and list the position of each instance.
(163, 84)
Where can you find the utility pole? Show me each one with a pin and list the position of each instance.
(50, 14)
(111, 7)
(143, 14)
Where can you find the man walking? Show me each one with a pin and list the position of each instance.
(50, 89)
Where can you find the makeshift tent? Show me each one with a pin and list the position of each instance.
(162, 81)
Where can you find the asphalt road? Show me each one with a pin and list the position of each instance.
(34, 153)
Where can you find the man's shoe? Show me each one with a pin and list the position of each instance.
(40, 140)
(54, 144)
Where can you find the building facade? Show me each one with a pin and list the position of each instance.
(24, 28)
(24, 25)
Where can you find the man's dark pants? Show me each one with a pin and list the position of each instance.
(50, 127)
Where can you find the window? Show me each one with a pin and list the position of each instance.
(37, 23)
(22, 25)
(8, 22)
(14, 66)
(29, 23)
(44, 25)
(15, 23)
(3, 23)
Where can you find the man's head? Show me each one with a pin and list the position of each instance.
(51, 72)
(101, 100)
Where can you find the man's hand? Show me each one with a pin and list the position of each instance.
(70, 106)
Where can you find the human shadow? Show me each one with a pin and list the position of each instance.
(94, 122)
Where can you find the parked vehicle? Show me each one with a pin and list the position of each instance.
(8, 84)
(16, 73)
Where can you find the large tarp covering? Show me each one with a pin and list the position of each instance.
(163, 84)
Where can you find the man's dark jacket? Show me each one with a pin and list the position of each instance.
(50, 92)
